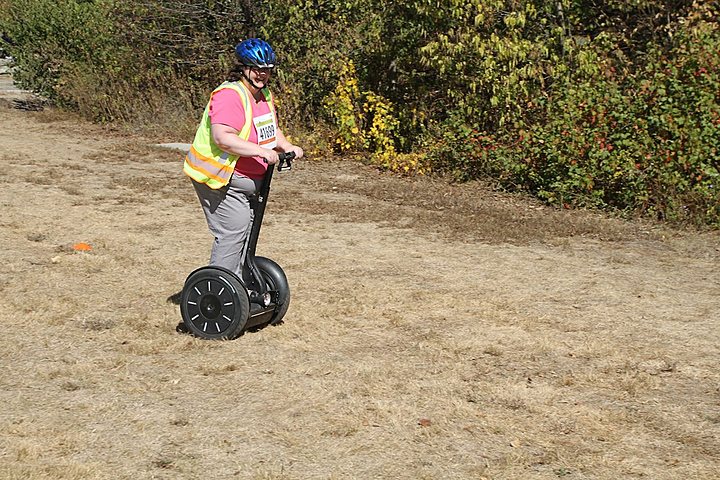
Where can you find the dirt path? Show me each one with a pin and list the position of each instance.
(435, 331)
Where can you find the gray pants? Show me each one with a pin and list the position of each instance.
(229, 218)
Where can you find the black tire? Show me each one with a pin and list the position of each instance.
(275, 279)
(214, 304)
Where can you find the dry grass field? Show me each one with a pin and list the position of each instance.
(436, 331)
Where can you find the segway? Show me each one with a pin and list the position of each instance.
(218, 305)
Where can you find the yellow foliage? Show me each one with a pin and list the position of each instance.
(341, 106)
(379, 137)
(366, 121)
(403, 163)
(363, 121)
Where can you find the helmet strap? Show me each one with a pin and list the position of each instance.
(250, 81)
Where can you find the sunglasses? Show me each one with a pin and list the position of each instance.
(267, 70)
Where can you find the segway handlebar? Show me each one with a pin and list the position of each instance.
(285, 162)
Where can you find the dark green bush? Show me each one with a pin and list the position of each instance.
(609, 105)
(641, 137)
(139, 61)
(49, 38)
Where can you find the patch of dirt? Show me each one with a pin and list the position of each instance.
(435, 331)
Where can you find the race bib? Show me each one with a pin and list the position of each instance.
(265, 127)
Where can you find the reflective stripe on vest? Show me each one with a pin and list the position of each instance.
(206, 162)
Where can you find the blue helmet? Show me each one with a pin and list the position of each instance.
(255, 53)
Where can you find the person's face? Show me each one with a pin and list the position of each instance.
(259, 76)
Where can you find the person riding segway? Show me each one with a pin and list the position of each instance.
(231, 162)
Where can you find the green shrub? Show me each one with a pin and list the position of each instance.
(645, 142)
(610, 105)
(139, 61)
(49, 38)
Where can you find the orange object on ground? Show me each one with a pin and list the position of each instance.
(82, 247)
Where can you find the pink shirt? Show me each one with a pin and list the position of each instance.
(227, 109)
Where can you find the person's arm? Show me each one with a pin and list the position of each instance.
(227, 139)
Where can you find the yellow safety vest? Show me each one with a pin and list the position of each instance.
(206, 162)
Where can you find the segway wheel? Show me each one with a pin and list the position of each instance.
(214, 304)
(275, 279)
